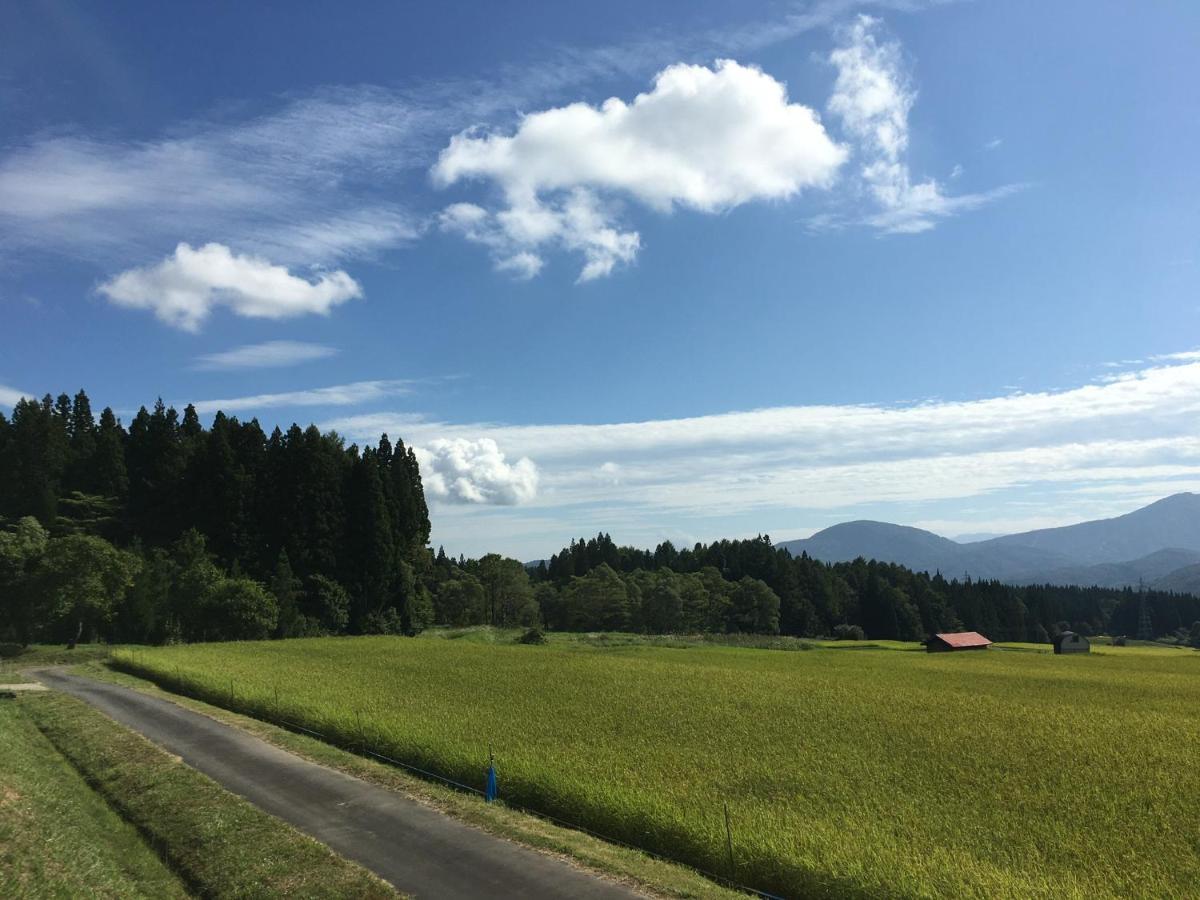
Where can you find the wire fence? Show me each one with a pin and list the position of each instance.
(197, 690)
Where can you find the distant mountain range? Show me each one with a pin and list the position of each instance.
(1158, 545)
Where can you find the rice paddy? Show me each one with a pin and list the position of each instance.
(866, 773)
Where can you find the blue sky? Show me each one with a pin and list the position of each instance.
(933, 263)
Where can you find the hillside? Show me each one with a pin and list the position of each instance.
(922, 551)
(1173, 522)
(1182, 581)
(1151, 545)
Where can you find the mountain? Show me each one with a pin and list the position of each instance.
(975, 537)
(1173, 522)
(921, 550)
(1182, 581)
(1150, 545)
(1148, 570)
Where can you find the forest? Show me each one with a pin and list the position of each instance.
(169, 531)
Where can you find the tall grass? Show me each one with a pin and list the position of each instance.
(870, 773)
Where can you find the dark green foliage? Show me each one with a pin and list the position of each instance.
(532, 636)
(460, 600)
(21, 598)
(884, 600)
(599, 601)
(324, 607)
(285, 587)
(507, 593)
(239, 609)
(82, 580)
(755, 607)
(198, 504)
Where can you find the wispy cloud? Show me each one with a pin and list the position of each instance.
(354, 394)
(776, 464)
(268, 355)
(10, 396)
(321, 178)
(292, 185)
(872, 97)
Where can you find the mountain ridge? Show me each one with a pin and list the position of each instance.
(1148, 545)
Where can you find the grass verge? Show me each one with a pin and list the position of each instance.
(219, 844)
(645, 872)
(14, 657)
(58, 838)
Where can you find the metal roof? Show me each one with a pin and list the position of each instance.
(964, 639)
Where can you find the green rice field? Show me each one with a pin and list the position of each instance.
(864, 773)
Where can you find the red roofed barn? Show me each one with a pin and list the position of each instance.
(959, 640)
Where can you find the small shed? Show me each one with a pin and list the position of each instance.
(1071, 642)
(958, 640)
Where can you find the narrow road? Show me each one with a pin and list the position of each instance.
(419, 850)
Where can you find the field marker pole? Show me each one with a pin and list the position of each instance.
(277, 715)
(490, 790)
(231, 692)
(729, 841)
(362, 738)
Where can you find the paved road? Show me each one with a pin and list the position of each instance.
(419, 850)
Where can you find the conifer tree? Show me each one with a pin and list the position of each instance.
(108, 474)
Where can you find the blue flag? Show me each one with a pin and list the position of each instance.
(490, 793)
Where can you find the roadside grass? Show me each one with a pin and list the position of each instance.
(219, 844)
(641, 870)
(14, 657)
(58, 838)
(991, 774)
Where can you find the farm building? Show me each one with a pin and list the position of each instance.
(958, 640)
(1070, 642)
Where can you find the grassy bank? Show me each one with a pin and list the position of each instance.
(14, 657)
(653, 876)
(871, 772)
(218, 844)
(58, 838)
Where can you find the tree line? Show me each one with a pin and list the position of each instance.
(198, 533)
(171, 531)
(744, 585)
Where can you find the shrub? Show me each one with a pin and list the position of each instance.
(532, 636)
(849, 633)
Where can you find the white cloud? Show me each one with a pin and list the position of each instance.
(335, 395)
(872, 98)
(268, 355)
(183, 289)
(778, 468)
(297, 184)
(11, 396)
(705, 139)
(461, 470)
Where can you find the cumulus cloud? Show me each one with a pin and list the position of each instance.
(267, 355)
(183, 289)
(335, 395)
(461, 470)
(704, 139)
(872, 98)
